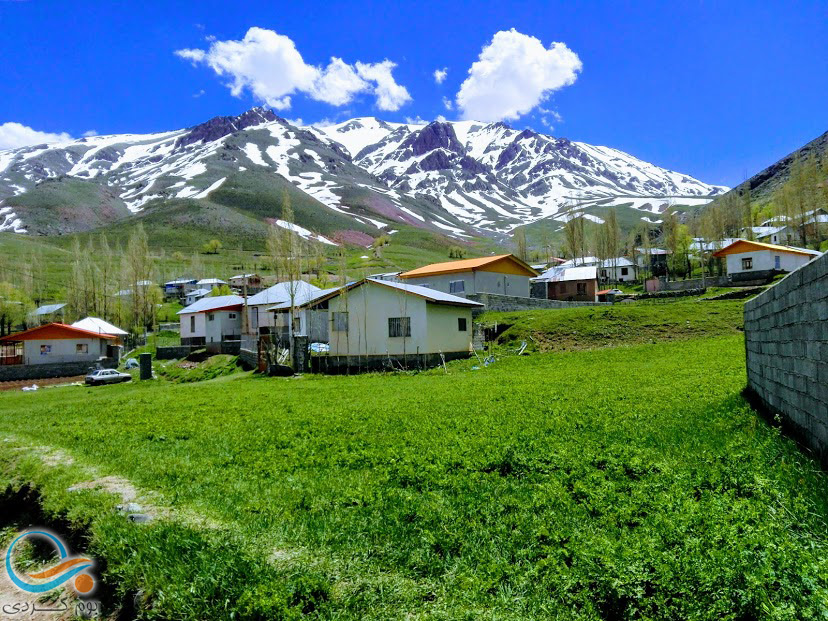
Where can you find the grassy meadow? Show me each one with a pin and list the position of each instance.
(627, 482)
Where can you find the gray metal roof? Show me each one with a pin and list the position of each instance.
(48, 309)
(212, 303)
(425, 292)
(281, 292)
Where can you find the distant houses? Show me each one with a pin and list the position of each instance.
(253, 282)
(501, 274)
(212, 320)
(619, 269)
(751, 260)
(210, 283)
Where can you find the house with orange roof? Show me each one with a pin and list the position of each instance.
(56, 343)
(752, 260)
(502, 274)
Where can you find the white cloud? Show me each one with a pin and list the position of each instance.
(513, 74)
(448, 103)
(91, 133)
(272, 69)
(440, 75)
(199, 94)
(15, 135)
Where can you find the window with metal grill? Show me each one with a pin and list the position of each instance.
(399, 326)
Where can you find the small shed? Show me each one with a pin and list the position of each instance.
(49, 312)
(570, 284)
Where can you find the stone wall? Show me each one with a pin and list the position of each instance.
(495, 302)
(249, 359)
(786, 339)
(174, 352)
(45, 371)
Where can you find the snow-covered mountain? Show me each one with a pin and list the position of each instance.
(352, 179)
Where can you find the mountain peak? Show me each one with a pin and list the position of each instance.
(221, 126)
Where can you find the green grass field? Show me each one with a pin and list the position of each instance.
(617, 483)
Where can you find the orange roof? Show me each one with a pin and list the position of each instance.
(54, 331)
(744, 245)
(466, 265)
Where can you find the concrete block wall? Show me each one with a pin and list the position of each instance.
(46, 371)
(495, 302)
(786, 340)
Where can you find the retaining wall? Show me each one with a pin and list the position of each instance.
(786, 340)
(694, 283)
(495, 302)
(45, 371)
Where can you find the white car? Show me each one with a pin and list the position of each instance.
(106, 376)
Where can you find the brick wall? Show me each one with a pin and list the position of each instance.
(786, 339)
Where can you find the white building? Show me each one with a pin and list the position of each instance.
(212, 320)
(56, 343)
(99, 326)
(379, 320)
(751, 260)
(259, 320)
(210, 283)
(620, 269)
(193, 296)
(503, 274)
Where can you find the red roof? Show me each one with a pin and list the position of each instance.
(54, 331)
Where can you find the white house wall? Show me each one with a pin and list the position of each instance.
(444, 334)
(764, 260)
(211, 331)
(63, 350)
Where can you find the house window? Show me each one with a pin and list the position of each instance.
(777, 262)
(625, 271)
(603, 273)
(81, 348)
(461, 324)
(232, 315)
(192, 323)
(340, 322)
(45, 350)
(210, 317)
(399, 326)
(747, 263)
(581, 288)
(457, 286)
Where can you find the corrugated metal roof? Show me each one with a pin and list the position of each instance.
(280, 292)
(463, 265)
(48, 309)
(307, 298)
(437, 297)
(563, 274)
(212, 303)
(94, 324)
(211, 281)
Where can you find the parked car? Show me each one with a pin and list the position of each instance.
(106, 376)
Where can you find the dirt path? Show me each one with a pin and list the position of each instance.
(53, 381)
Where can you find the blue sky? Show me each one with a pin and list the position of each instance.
(715, 90)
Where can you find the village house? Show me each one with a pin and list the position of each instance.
(570, 284)
(55, 343)
(259, 320)
(308, 319)
(193, 296)
(253, 282)
(210, 283)
(212, 320)
(652, 259)
(503, 274)
(753, 261)
(99, 326)
(180, 287)
(620, 269)
(374, 323)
